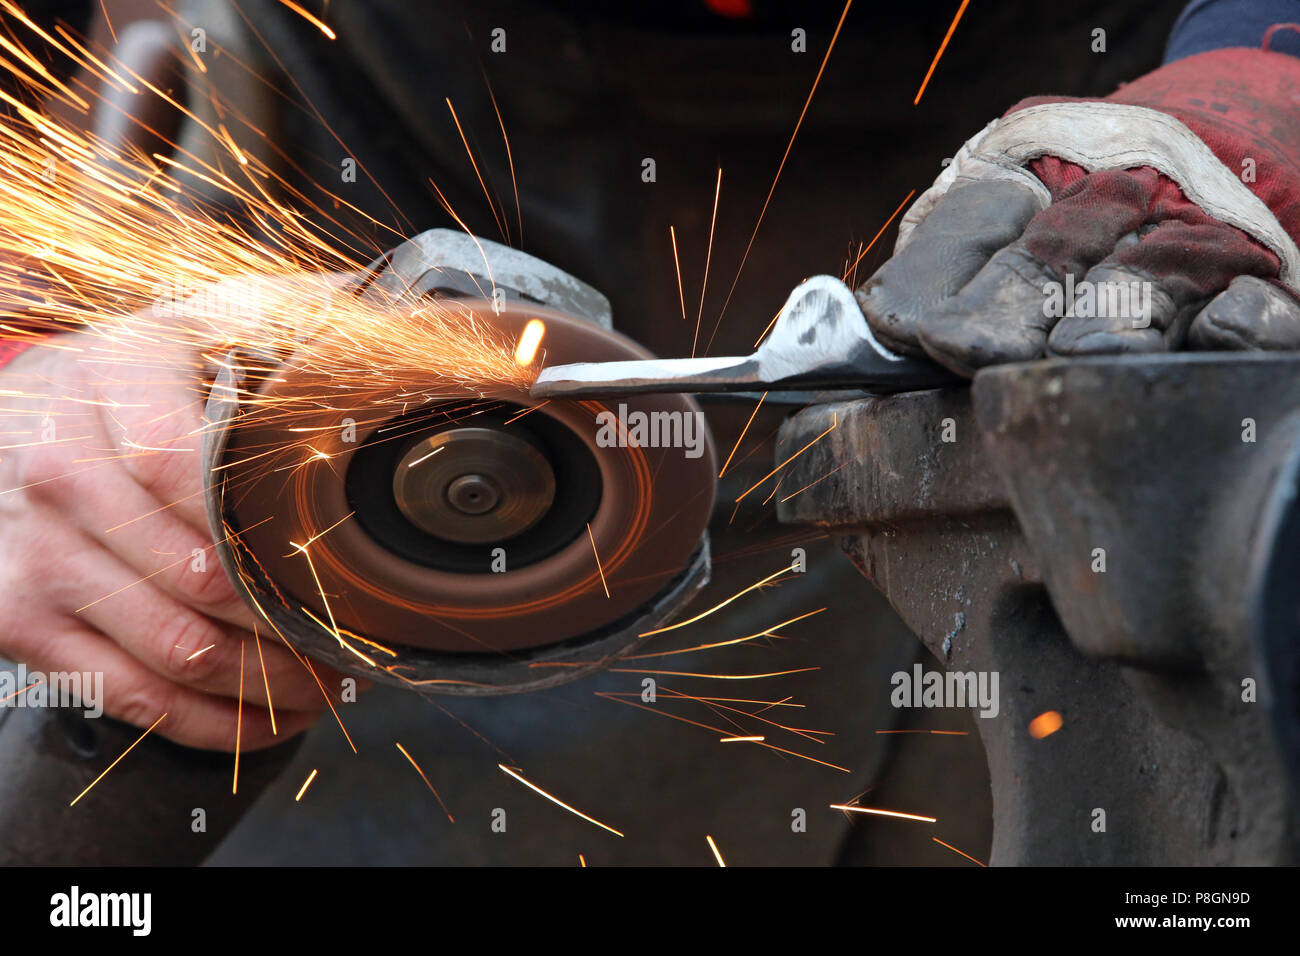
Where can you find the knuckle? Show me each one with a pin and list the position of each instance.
(157, 471)
(183, 640)
(160, 455)
(39, 470)
(29, 562)
(203, 585)
(55, 567)
(140, 706)
(19, 640)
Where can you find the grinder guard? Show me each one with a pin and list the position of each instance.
(408, 608)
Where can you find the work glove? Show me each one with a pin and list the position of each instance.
(1162, 217)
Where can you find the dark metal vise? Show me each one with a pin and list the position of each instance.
(1119, 538)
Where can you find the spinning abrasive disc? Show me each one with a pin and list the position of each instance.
(454, 538)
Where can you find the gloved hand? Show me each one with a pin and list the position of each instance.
(1163, 217)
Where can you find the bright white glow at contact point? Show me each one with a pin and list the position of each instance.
(529, 342)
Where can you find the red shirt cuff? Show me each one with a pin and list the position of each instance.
(10, 350)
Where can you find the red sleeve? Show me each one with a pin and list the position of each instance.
(1241, 103)
(10, 350)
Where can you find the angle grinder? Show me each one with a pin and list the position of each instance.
(484, 543)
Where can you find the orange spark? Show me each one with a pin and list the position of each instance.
(742, 740)
(526, 411)
(333, 627)
(719, 730)
(716, 855)
(681, 295)
(339, 636)
(107, 19)
(321, 534)
(127, 587)
(955, 850)
(769, 632)
(117, 761)
(775, 179)
(158, 510)
(201, 650)
(1045, 724)
(942, 46)
(708, 258)
(765, 704)
(232, 145)
(834, 422)
(736, 447)
(469, 232)
(239, 719)
(719, 606)
(510, 158)
(555, 800)
(327, 698)
(714, 704)
(23, 691)
(529, 341)
(815, 481)
(426, 781)
(468, 152)
(771, 494)
(424, 458)
(265, 680)
(597, 554)
(882, 813)
(880, 232)
(305, 784)
(314, 21)
(631, 670)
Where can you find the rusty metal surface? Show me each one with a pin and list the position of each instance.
(982, 542)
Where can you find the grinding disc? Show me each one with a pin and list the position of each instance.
(458, 539)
